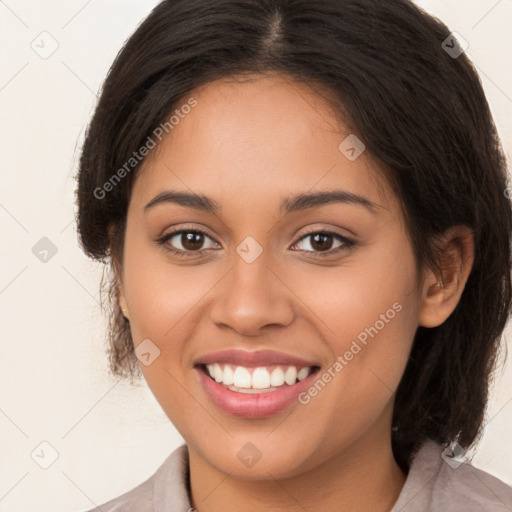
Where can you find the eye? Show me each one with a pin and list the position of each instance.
(322, 241)
(190, 242)
(185, 242)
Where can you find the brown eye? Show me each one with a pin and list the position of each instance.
(186, 242)
(191, 241)
(321, 240)
(321, 243)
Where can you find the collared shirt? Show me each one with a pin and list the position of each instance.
(432, 485)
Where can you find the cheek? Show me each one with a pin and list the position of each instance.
(371, 295)
(368, 314)
(166, 303)
(160, 294)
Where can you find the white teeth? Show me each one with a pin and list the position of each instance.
(277, 377)
(260, 378)
(228, 375)
(251, 391)
(217, 373)
(290, 376)
(240, 378)
(303, 373)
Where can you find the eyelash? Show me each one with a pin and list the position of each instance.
(347, 243)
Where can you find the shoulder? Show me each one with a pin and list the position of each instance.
(138, 499)
(166, 489)
(440, 484)
(471, 488)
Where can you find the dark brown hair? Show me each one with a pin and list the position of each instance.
(420, 110)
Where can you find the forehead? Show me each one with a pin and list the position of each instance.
(256, 140)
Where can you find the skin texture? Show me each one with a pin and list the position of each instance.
(248, 145)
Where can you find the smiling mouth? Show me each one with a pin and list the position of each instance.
(256, 380)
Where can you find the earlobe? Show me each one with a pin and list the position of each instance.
(122, 300)
(117, 271)
(121, 297)
(442, 289)
(122, 303)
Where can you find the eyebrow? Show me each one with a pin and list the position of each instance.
(288, 205)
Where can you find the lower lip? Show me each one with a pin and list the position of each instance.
(256, 405)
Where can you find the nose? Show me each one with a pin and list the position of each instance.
(251, 297)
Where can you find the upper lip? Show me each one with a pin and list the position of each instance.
(253, 358)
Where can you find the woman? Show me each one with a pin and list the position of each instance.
(303, 208)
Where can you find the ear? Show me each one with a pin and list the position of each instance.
(122, 298)
(441, 292)
(118, 276)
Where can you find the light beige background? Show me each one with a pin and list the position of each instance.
(54, 383)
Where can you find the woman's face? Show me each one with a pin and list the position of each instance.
(342, 303)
